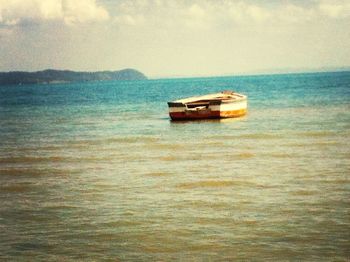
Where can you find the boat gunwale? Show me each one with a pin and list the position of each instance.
(211, 101)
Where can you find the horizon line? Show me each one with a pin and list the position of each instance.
(283, 71)
(272, 72)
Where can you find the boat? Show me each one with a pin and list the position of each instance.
(225, 104)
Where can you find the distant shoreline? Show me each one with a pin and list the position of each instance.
(51, 76)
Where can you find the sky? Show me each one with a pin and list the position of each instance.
(164, 38)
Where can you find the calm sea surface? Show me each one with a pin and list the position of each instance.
(95, 171)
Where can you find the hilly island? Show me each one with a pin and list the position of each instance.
(62, 76)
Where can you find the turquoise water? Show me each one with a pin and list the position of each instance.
(94, 171)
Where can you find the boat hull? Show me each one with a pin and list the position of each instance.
(213, 109)
(209, 115)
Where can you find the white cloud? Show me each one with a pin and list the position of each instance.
(207, 14)
(193, 14)
(129, 20)
(196, 11)
(83, 11)
(70, 11)
(257, 13)
(294, 14)
(197, 16)
(49, 9)
(335, 9)
(241, 12)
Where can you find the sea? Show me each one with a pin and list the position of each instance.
(96, 171)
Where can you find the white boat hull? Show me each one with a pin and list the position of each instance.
(220, 105)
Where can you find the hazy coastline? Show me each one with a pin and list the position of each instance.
(67, 76)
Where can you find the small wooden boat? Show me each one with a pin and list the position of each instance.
(219, 105)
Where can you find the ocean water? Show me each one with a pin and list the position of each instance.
(97, 171)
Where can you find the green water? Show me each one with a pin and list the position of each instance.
(96, 171)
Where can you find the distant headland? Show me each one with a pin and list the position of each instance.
(63, 76)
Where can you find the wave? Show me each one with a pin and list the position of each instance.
(158, 174)
(316, 134)
(18, 188)
(214, 184)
